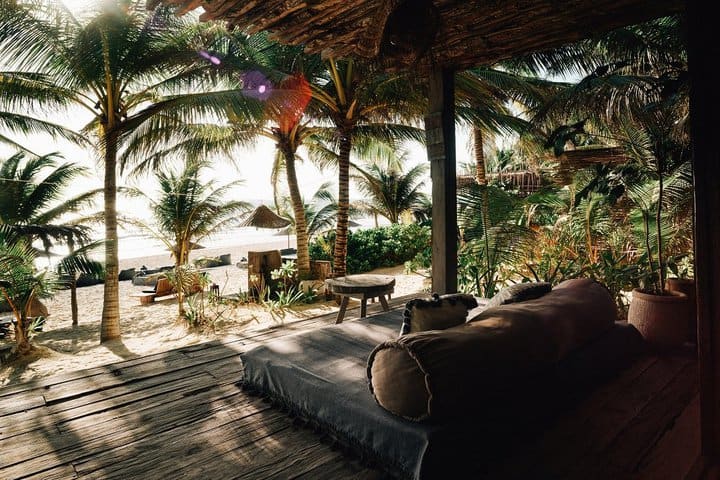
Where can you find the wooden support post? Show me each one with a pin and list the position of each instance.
(440, 134)
(703, 52)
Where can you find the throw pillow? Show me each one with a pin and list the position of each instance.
(437, 313)
(519, 293)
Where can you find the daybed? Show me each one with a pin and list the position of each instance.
(458, 394)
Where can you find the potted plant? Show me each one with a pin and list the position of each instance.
(661, 315)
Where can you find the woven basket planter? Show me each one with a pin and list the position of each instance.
(661, 319)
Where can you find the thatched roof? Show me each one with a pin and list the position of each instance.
(263, 217)
(451, 33)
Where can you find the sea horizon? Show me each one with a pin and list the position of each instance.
(144, 249)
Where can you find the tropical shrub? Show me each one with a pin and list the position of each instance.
(21, 284)
(376, 247)
(494, 238)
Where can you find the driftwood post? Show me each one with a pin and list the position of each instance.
(440, 133)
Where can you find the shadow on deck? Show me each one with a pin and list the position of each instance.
(181, 414)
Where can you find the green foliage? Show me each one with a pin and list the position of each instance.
(391, 189)
(494, 238)
(189, 209)
(33, 199)
(20, 284)
(376, 247)
(194, 313)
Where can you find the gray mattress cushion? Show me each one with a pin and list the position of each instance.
(320, 375)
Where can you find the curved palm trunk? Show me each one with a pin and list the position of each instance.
(110, 323)
(341, 232)
(303, 252)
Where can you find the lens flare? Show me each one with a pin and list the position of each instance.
(209, 57)
(256, 85)
(293, 96)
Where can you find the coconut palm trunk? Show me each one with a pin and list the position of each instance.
(180, 261)
(301, 232)
(341, 232)
(480, 172)
(110, 323)
(481, 179)
(73, 300)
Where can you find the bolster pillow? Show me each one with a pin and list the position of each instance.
(439, 374)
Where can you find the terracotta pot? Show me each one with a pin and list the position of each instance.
(661, 319)
(686, 286)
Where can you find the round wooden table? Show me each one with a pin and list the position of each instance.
(362, 286)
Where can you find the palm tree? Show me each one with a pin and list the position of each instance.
(489, 244)
(76, 263)
(189, 210)
(635, 94)
(391, 191)
(280, 72)
(364, 105)
(320, 211)
(137, 74)
(20, 93)
(33, 202)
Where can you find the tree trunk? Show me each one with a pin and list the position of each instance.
(73, 301)
(303, 251)
(480, 172)
(341, 232)
(180, 283)
(110, 323)
(481, 179)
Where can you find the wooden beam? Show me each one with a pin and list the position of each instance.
(440, 134)
(703, 51)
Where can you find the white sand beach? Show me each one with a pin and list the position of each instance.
(148, 329)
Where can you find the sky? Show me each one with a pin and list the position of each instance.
(252, 165)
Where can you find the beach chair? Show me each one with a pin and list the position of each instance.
(162, 288)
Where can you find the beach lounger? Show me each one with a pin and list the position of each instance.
(162, 288)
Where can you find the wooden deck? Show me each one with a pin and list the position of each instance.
(181, 414)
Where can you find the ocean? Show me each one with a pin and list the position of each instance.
(139, 245)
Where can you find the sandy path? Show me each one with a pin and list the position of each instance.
(154, 328)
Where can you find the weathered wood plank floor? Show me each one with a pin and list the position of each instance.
(181, 414)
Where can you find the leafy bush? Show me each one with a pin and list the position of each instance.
(376, 247)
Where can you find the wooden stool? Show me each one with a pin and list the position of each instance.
(362, 286)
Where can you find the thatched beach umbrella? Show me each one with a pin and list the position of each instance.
(263, 217)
